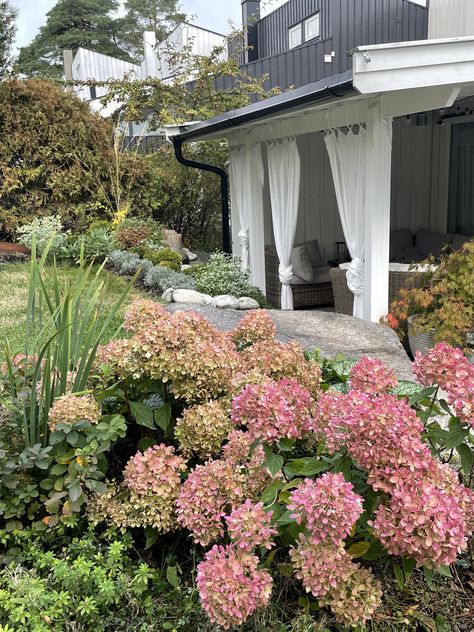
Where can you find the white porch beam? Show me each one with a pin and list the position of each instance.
(348, 112)
(377, 219)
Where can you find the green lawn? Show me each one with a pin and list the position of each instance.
(14, 294)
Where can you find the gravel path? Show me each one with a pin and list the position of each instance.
(329, 332)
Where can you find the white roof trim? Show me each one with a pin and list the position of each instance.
(409, 65)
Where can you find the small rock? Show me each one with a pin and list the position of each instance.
(245, 302)
(167, 295)
(191, 255)
(193, 297)
(226, 301)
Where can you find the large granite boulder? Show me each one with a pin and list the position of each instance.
(329, 332)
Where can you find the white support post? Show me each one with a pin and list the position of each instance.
(377, 219)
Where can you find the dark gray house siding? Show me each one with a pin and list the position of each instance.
(344, 25)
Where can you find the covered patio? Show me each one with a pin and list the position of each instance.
(350, 160)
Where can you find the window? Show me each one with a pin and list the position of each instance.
(295, 36)
(311, 27)
(304, 31)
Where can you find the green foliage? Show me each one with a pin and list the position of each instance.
(92, 582)
(190, 199)
(46, 232)
(160, 278)
(222, 275)
(71, 24)
(8, 30)
(96, 245)
(160, 16)
(58, 157)
(166, 257)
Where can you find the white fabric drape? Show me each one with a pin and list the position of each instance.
(348, 154)
(246, 179)
(284, 169)
(256, 220)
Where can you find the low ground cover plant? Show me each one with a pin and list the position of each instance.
(263, 461)
(223, 275)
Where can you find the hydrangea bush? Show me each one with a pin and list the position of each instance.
(242, 442)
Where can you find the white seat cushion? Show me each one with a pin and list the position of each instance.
(302, 268)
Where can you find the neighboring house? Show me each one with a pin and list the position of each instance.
(377, 136)
(87, 65)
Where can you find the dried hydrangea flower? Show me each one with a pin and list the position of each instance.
(255, 326)
(203, 428)
(70, 409)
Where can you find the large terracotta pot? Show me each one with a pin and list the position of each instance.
(421, 341)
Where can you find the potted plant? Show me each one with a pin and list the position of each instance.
(442, 309)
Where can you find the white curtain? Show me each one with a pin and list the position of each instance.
(348, 151)
(246, 180)
(284, 170)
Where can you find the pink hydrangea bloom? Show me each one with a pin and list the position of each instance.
(422, 522)
(156, 471)
(328, 506)
(449, 368)
(328, 573)
(372, 376)
(185, 350)
(256, 325)
(231, 587)
(378, 431)
(278, 360)
(205, 497)
(355, 600)
(273, 410)
(320, 568)
(249, 526)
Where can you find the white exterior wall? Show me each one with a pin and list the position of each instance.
(90, 65)
(450, 18)
(200, 42)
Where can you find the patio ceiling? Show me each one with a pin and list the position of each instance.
(404, 78)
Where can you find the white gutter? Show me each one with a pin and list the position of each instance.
(409, 65)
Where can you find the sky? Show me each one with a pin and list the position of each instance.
(212, 14)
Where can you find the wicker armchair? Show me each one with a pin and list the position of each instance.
(344, 299)
(309, 295)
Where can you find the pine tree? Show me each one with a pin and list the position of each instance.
(160, 16)
(7, 34)
(72, 24)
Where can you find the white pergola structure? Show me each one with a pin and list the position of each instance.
(388, 81)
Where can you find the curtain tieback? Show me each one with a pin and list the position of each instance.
(244, 237)
(356, 276)
(286, 274)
